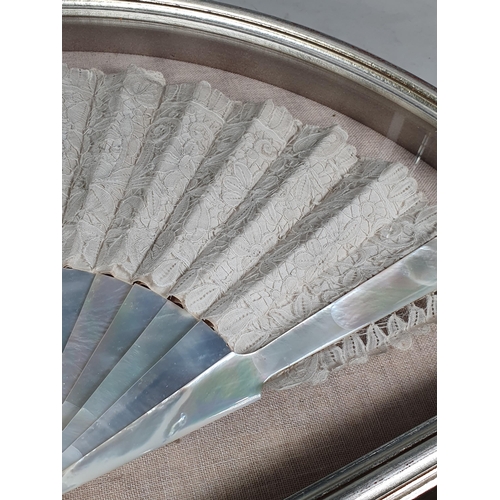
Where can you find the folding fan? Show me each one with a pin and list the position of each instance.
(200, 231)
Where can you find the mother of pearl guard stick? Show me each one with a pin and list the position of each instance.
(237, 379)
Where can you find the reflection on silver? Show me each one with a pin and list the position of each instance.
(405, 468)
(236, 380)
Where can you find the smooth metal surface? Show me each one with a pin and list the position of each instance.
(402, 468)
(296, 59)
(402, 32)
(236, 380)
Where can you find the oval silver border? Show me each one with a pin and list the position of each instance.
(306, 57)
(316, 50)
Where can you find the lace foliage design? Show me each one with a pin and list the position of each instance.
(396, 331)
(122, 108)
(250, 219)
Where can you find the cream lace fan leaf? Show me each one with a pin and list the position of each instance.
(180, 188)
(249, 219)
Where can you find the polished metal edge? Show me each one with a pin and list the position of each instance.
(270, 33)
(358, 57)
(401, 469)
(321, 51)
(368, 90)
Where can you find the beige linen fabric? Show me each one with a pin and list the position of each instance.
(291, 438)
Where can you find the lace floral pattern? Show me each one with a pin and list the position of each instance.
(123, 107)
(252, 140)
(249, 218)
(185, 127)
(308, 168)
(284, 288)
(78, 93)
(396, 331)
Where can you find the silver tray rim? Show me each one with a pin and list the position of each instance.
(390, 89)
(391, 83)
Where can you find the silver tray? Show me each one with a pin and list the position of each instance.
(315, 66)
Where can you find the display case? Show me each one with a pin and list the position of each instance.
(361, 423)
